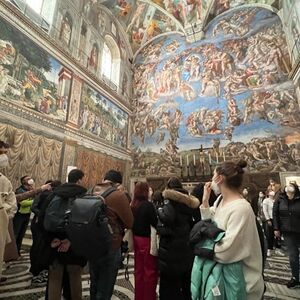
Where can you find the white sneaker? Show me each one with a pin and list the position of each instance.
(269, 253)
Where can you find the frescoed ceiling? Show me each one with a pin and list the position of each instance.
(145, 19)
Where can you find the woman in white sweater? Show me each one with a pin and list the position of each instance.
(232, 213)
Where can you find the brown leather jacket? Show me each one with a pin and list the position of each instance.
(119, 214)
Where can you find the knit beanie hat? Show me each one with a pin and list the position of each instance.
(113, 176)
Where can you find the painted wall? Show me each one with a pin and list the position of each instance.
(102, 118)
(30, 76)
(291, 16)
(224, 97)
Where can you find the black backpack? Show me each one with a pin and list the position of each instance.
(87, 226)
(56, 214)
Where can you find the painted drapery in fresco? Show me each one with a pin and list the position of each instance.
(101, 117)
(95, 165)
(229, 91)
(29, 76)
(30, 154)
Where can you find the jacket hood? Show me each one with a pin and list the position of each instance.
(283, 196)
(188, 200)
(67, 190)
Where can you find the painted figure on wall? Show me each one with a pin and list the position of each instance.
(66, 29)
(30, 76)
(93, 58)
(230, 86)
(75, 100)
(101, 117)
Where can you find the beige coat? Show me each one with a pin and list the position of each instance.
(8, 208)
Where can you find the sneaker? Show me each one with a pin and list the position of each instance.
(269, 253)
(39, 280)
(278, 252)
(293, 283)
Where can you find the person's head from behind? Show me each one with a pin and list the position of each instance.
(157, 198)
(75, 176)
(174, 183)
(140, 194)
(228, 175)
(198, 191)
(292, 190)
(114, 177)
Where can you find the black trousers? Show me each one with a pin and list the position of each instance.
(20, 222)
(269, 232)
(175, 287)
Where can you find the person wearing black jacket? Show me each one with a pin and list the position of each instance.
(145, 264)
(286, 218)
(64, 257)
(175, 257)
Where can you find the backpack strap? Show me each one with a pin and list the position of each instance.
(107, 192)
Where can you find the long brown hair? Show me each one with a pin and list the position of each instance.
(141, 193)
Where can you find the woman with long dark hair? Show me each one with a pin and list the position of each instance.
(145, 265)
(286, 219)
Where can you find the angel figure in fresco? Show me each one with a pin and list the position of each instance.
(136, 19)
(65, 30)
(221, 6)
(187, 92)
(31, 81)
(124, 7)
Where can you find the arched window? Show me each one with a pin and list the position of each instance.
(44, 8)
(111, 59)
(107, 61)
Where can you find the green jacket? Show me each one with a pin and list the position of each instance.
(25, 206)
(212, 280)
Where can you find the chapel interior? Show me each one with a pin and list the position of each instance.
(153, 89)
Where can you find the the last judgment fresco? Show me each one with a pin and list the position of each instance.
(225, 97)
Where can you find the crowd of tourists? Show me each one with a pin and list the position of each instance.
(197, 245)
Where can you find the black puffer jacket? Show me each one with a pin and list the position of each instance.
(65, 191)
(175, 222)
(286, 214)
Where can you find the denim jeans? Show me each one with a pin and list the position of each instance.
(103, 274)
(292, 241)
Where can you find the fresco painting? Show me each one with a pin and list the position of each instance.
(223, 5)
(189, 11)
(228, 95)
(30, 76)
(102, 118)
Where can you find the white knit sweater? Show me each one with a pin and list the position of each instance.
(241, 242)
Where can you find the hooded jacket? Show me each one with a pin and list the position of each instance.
(286, 213)
(66, 191)
(175, 223)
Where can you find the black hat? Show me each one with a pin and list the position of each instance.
(113, 176)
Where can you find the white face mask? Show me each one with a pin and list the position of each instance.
(289, 189)
(261, 195)
(3, 161)
(215, 187)
(30, 181)
(272, 194)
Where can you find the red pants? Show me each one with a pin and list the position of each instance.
(145, 270)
